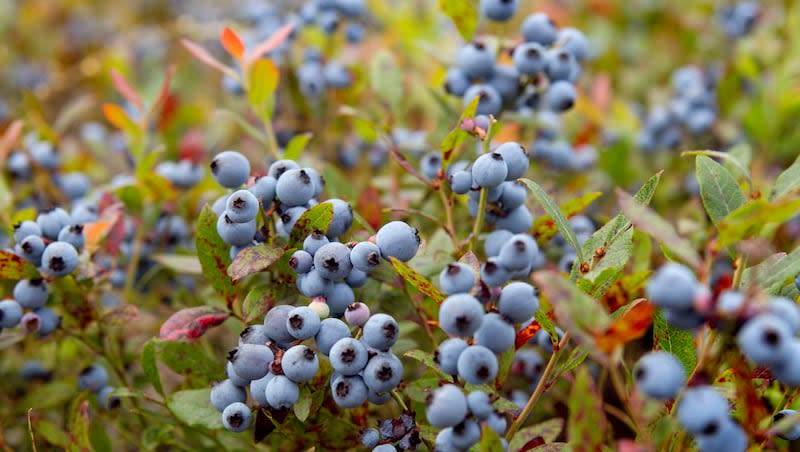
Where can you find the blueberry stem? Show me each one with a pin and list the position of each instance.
(476, 228)
(397, 398)
(622, 393)
(448, 213)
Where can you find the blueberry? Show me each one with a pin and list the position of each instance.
(477, 365)
(489, 170)
(399, 240)
(729, 437)
(673, 286)
(302, 323)
(560, 96)
(702, 409)
(74, 185)
(354, 32)
(700, 120)
(781, 307)
(383, 372)
(288, 219)
(357, 314)
(236, 417)
(460, 182)
(446, 406)
(764, 339)
(233, 233)
(378, 398)
(529, 364)
(312, 284)
(559, 65)
(575, 42)
(480, 405)
(495, 241)
(476, 60)
(430, 164)
(342, 218)
(52, 222)
(456, 82)
(495, 333)
(446, 355)
(381, 332)
(45, 154)
(251, 361)
(444, 441)
(499, 10)
(49, 321)
(518, 252)
(264, 190)
(31, 293)
(513, 196)
(518, 302)
(332, 261)
(505, 80)
(310, 77)
(277, 168)
(466, 434)
(276, 322)
(106, 399)
(385, 448)
(10, 313)
(365, 256)
(490, 103)
(349, 392)
(788, 371)
(339, 297)
(230, 169)
(369, 438)
(348, 356)
(497, 423)
(314, 242)
(59, 259)
(460, 315)
(330, 331)
(26, 228)
(219, 205)
(516, 158)
(301, 262)
(686, 319)
(456, 278)
(242, 206)
(300, 364)
(529, 58)
(337, 75)
(93, 378)
(659, 375)
(493, 274)
(258, 389)
(233, 377)
(792, 434)
(518, 220)
(18, 165)
(72, 234)
(281, 392)
(295, 187)
(34, 370)
(356, 278)
(539, 28)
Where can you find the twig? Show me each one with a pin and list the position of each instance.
(476, 229)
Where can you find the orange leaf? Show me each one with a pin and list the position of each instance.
(526, 334)
(126, 90)
(10, 138)
(631, 325)
(232, 43)
(369, 205)
(109, 226)
(270, 44)
(119, 118)
(205, 57)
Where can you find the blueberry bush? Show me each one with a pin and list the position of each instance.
(485, 225)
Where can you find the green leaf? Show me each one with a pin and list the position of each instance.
(457, 136)
(337, 184)
(751, 218)
(50, 395)
(296, 145)
(674, 340)
(564, 226)
(79, 430)
(258, 301)
(719, 190)
(651, 223)
(416, 280)
(490, 441)
(729, 157)
(51, 433)
(587, 422)
(99, 437)
(386, 78)
(189, 360)
(214, 255)
(463, 13)
(773, 273)
(547, 430)
(302, 408)
(264, 78)
(317, 218)
(15, 267)
(544, 228)
(616, 256)
(187, 265)
(193, 407)
(427, 359)
(546, 323)
(788, 181)
(254, 259)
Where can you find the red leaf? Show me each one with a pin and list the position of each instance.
(163, 95)
(526, 334)
(168, 111)
(126, 90)
(191, 146)
(631, 325)
(191, 323)
(369, 206)
(232, 43)
(205, 57)
(10, 138)
(532, 444)
(108, 229)
(270, 44)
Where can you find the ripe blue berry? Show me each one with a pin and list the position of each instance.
(513, 195)
(460, 182)
(480, 405)
(337, 75)
(764, 339)
(236, 417)
(10, 313)
(31, 293)
(264, 190)
(233, 233)
(365, 256)
(381, 332)
(230, 169)
(518, 302)
(476, 60)
(497, 423)
(529, 58)
(702, 409)
(369, 438)
(456, 82)
(383, 372)
(560, 96)
(75, 184)
(348, 356)
(673, 286)
(659, 375)
(93, 378)
(233, 377)
(258, 389)
(302, 323)
(446, 406)
(539, 28)
(560, 64)
(430, 164)
(477, 365)
(330, 331)
(349, 392)
(399, 240)
(575, 42)
(301, 262)
(288, 218)
(277, 168)
(495, 241)
(106, 399)
(499, 10)
(490, 101)
(59, 259)
(446, 355)
(72, 234)
(312, 284)
(251, 361)
(339, 297)
(518, 252)
(516, 159)
(460, 315)
(493, 274)
(728, 437)
(300, 364)
(781, 307)
(356, 278)
(49, 321)
(26, 228)
(294, 188)
(314, 241)
(788, 370)
(518, 220)
(489, 170)
(495, 333)
(529, 364)
(332, 261)
(276, 322)
(342, 218)
(466, 434)
(456, 278)
(52, 222)
(242, 206)
(505, 80)
(281, 392)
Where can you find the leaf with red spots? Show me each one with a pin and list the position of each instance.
(214, 255)
(369, 206)
(544, 228)
(259, 300)
(108, 231)
(526, 334)
(191, 323)
(631, 323)
(547, 431)
(587, 422)
(457, 136)
(416, 280)
(317, 218)
(72, 297)
(15, 267)
(254, 259)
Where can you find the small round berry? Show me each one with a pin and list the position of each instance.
(59, 259)
(477, 365)
(295, 188)
(383, 372)
(332, 261)
(365, 256)
(489, 170)
(659, 375)
(302, 322)
(399, 240)
(230, 169)
(242, 206)
(236, 417)
(460, 315)
(446, 406)
(702, 410)
(281, 392)
(446, 355)
(299, 363)
(348, 356)
(457, 278)
(330, 332)
(357, 314)
(381, 331)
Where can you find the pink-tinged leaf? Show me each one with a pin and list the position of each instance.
(109, 229)
(205, 57)
(470, 259)
(122, 315)
(15, 267)
(232, 43)
(125, 89)
(163, 94)
(10, 138)
(270, 44)
(191, 323)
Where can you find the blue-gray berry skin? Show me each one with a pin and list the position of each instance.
(495, 241)
(495, 333)
(575, 42)
(446, 406)
(302, 323)
(379, 398)
(332, 261)
(314, 241)
(466, 434)
(493, 274)
(49, 321)
(18, 165)
(559, 64)
(230, 169)
(456, 82)
(381, 332)
(794, 432)
(74, 184)
(673, 286)
(219, 205)
(72, 234)
(312, 284)
(489, 170)
(349, 392)
(446, 355)
(444, 441)
(10, 313)
(518, 252)
(561, 96)
(430, 164)
(300, 363)
(456, 278)
(281, 392)
(106, 399)
(477, 365)
(251, 361)
(288, 219)
(59, 259)
(236, 417)
(479, 404)
(476, 60)
(26, 228)
(497, 423)
(93, 378)
(659, 375)
(311, 79)
(539, 28)
(234, 377)
(529, 58)
(342, 218)
(685, 319)
(330, 331)
(702, 409)
(505, 79)
(301, 262)
(52, 222)
(339, 297)
(45, 154)
(765, 339)
(516, 158)
(369, 438)
(264, 190)
(35, 370)
(276, 322)
(729, 437)
(460, 182)
(337, 75)
(490, 102)
(788, 370)
(348, 356)
(399, 240)
(499, 10)
(278, 167)
(294, 188)
(356, 278)
(31, 293)
(383, 372)
(258, 389)
(513, 195)
(233, 233)
(242, 206)
(518, 302)
(518, 220)
(460, 315)
(365, 256)
(254, 334)
(781, 307)
(529, 363)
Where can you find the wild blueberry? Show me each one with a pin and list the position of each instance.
(242, 206)
(233, 233)
(493, 273)
(489, 170)
(788, 370)
(495, 241)
(339, 297)
(381, 332)
(518, 302)
(72, 234)
(764, 339)
(460, 315)
(460, 182)
(230, 169)
(301, 261)
(276, 322)
(477, 365)
(446, 406)
(302, 323)
(59, 259)
(560, 96)
(383, 372)
(10, 313)
(529, 364)
(332, 261)
(330, 331)
(348, 356)
(295, 187)
(258, 389)
(446, 355)
(312, 284)
(673, 286)
(575, 42)
(559, 64)
(106, 399)
(781, 307)
(659, 375)
(513, 196)
(349, 392)
(399, 240)
(251, 361)
(729, 437)
(254, 334)
(702, 410)
(52, 222)
(490, 102)
(529, 58)
(466, 434)
(236, 417)
(233, 377)
(456, 82)
(495, 333)
(93, 378)
(26, 228)
(281, 392)
(357, 314)
(300, 363)
(365, 256)
(49, 321)
(456, 278)
(314, 241)
(31, 293)
(264, 190)
(539, 28)
(499, 10)
(476, 60)
(342, 218)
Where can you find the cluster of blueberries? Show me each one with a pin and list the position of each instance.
(737, 20)
(765, 332)
(401, 432)
(94, 378)
(460, 417)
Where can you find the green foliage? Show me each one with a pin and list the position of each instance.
(720, 193)
(214, 255)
